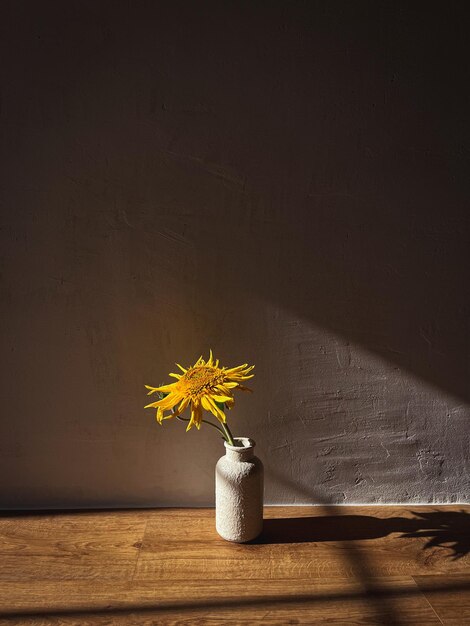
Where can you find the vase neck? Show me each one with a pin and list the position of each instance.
(243, 450)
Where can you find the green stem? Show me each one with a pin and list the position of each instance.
(225, 430)
(228, 434)
(186, 419)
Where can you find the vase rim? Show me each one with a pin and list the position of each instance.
(245, 444)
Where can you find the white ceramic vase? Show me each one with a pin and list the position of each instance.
(239, 492)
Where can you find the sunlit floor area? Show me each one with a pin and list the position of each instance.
(311, 565)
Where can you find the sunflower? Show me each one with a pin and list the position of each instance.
(203, 385)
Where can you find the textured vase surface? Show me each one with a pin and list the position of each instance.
(239, 488)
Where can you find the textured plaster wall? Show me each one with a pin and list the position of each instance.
(285, 182)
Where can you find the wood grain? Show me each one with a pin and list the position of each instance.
(340, 565)
(70, 546)
(302, 542)
(449, 596)
(281, 602)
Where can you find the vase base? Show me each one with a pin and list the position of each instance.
(241, 539)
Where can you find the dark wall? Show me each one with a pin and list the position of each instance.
(284, 182)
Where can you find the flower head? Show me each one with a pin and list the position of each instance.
(203, 385)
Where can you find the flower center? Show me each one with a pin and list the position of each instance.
(199, 379)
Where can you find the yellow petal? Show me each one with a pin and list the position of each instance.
(161, 416)
(198, 416)
(221, 399)
(223, 389)
(195, 416)
(184, 403)
(220, 415)
(240, 369)
(178, 376)
(181, 368)
(152, 389)
(245, 367)
(208, 406)
(166, 388)
(236, 377)
(166, 403)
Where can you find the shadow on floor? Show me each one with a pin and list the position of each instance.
(449, 530)
(304, 601)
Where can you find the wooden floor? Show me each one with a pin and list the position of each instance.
(312, 565)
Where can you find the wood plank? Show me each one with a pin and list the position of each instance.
(71, 546)
(305, 542)
(341, 565)
(449, 595)
(379, 601)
